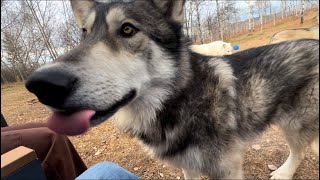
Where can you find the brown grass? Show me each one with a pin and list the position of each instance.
(19, 106)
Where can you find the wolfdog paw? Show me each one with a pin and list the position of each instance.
(281, 174)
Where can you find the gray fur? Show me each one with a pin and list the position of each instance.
(192, 111)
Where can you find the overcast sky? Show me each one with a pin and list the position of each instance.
(240, 4)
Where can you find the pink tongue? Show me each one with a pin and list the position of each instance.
(74, 124)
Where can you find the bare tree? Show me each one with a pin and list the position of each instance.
(285, 2)
(197, 9)
(40, 19)
(186, 22)
(23, 45)
(14, 51)
(191, 16)
(296, 8)
(283, 7)
(272, 15)
(250, 16)
(229, 16)
(11, 9)
(302, 12)
(190, 13)
(265, 6)
(260, 4)
(69, 31)
(219, 16)
(291, 7)
(274, 18)
(209, 23)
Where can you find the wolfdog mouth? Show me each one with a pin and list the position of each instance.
(78, 121)
(102, 115)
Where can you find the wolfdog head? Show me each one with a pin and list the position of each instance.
(131, 56)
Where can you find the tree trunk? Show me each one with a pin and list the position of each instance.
(21, 75)
(3, 79)
(285, 8)
(249, 17)
(291, 8)
(302, 12)
(191, 19)
(274, 18)
(253, 20)
(270, 8)
(265, 11)
(198, 20)
(219, 20)
(282, 9)
(186, 23)
(261, 17)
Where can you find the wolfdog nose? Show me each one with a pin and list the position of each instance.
(52, 87)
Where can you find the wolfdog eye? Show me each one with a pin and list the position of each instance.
(128, 30)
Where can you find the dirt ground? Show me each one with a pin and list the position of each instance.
(106, 143)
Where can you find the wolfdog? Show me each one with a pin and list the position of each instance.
(195, 112)
(295, 34)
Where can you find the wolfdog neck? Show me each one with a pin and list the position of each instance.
(201, 103)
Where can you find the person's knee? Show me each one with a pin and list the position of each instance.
(107, 170)
(105, 164)
(110, 166)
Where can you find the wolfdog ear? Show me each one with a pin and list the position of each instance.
(173, 9)
(81, 9)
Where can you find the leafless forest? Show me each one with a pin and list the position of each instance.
(34, 32)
